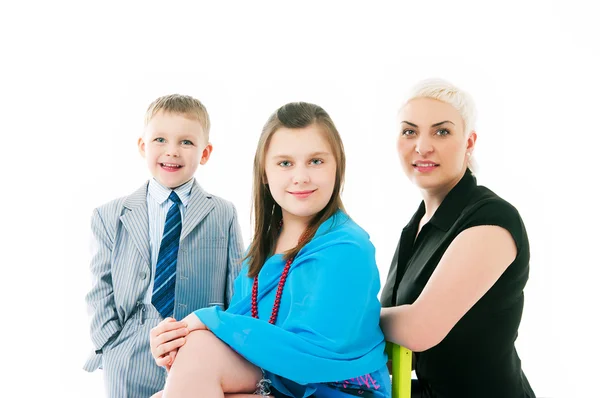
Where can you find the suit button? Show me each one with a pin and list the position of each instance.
(143, 275)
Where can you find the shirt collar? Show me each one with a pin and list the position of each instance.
(159, 193)
(454, 203)
(416, 218)
(451, 207)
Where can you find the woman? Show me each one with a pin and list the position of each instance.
(304, 318)
(455, 288)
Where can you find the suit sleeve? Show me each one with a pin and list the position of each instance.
(100, 299)
(234, 256)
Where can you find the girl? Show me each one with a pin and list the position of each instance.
(304, 319)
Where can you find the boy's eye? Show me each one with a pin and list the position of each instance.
(160, 139)
(408, 132)
(187, 142)
(285, 163)
(316, 161)
(442, 132)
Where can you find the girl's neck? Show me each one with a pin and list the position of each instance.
(292, 229)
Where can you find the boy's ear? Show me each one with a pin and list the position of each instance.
(206, 153)
(142, 147)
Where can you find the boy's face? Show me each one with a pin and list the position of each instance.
(173, 146)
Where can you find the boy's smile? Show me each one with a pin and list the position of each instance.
(173, 146)
(170, 166)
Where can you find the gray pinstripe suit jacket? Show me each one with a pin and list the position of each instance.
(208, 261)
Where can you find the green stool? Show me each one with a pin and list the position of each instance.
(401, 370)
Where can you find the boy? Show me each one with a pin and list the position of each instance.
(164, 251)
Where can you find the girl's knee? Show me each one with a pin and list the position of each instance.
(200, 338)
(212, 362)
(201, 341)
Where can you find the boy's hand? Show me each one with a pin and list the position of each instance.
(165, 340)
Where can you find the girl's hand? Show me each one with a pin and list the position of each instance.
(165, 340)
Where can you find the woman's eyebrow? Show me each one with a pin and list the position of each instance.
(440, 123)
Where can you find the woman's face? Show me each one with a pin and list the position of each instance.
(432, 144)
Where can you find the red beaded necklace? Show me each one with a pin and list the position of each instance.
(282, 279)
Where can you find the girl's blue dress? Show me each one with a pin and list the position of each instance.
(326, 341)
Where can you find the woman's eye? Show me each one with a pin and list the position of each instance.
(285, 163)
(316, 161)
(408, 132)
(442, 132)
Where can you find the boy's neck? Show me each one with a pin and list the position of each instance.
(174, 188)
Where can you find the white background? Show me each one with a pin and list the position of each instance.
(76, 79)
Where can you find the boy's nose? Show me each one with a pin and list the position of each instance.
(172, 151)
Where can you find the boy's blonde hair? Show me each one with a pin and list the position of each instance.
(444, 91)
(181, 105)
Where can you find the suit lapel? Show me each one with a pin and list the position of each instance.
(200, 205)
(135, 220)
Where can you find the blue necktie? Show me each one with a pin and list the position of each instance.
(163, 294)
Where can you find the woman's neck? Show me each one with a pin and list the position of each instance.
(434, 197)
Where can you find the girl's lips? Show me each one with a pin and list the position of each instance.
(302, 194)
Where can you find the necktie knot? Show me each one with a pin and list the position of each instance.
(174, 198)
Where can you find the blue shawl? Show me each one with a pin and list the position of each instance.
(328, 324)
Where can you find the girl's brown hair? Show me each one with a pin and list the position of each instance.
(267, 213)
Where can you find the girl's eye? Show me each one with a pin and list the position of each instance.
(285, 163)
(187, 142)
(408, 132)
(160, 139)
(316, 161)
(442, 132)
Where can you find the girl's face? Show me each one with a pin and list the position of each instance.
(300, 170)
(432, 145)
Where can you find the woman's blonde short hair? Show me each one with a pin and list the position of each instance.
(444, 91)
